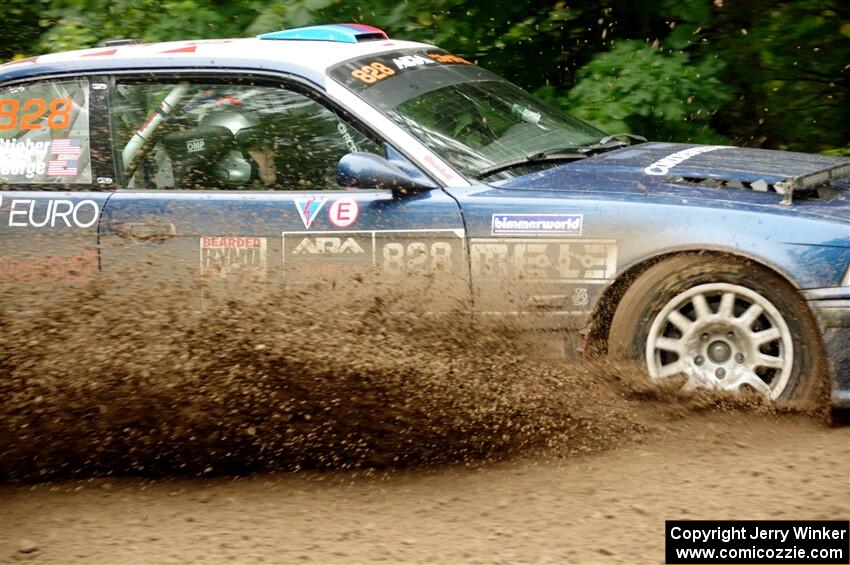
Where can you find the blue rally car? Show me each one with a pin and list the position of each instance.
(319, 150)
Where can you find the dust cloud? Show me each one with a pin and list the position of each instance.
(100, 382)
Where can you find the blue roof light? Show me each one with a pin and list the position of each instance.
(342, 33)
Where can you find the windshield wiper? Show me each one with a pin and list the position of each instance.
(611, 142)
(564, 154)
(630, 136)
(605, 144)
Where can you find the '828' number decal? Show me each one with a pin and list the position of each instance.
(416, 257)
(28, 115)
(372, 73)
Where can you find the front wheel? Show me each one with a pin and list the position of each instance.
(722, 324)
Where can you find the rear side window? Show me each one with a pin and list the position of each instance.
(186, 135)
(44, 133)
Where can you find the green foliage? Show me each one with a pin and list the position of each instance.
(839, 151)
(638, 88)
(761, 72)
(787, 63)
(20, 26)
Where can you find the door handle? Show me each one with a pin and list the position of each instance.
(146, 230)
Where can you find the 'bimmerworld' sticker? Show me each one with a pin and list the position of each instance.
(536, 224)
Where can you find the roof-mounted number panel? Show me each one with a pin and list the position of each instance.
(341, 33)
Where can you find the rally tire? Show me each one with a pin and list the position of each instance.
(689, 316)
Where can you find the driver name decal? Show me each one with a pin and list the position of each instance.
(24, 158)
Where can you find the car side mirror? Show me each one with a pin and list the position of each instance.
(367, 170)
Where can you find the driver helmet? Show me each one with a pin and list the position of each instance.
(236, 166)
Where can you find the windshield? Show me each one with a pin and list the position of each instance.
(472, 118)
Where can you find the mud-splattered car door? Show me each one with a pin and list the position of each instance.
(237, 181)
(51, 197)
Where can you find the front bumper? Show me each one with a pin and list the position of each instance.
(831, 307)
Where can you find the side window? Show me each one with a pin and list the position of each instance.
(44, 133)
(227, 137)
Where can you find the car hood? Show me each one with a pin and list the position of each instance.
(710, 172)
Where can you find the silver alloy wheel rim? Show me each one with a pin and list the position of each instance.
(722, 336)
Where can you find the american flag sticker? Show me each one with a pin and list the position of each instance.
(65, 164)
(62, 168)
(65, 147)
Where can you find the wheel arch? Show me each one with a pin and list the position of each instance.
(599, 322)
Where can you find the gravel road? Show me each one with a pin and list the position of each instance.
(606, 507)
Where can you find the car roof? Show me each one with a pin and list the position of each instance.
(307, 58)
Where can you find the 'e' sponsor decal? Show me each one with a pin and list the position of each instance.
(308, 209)
(343, 212)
